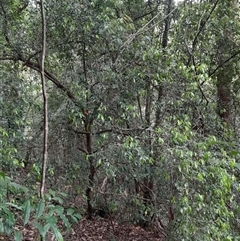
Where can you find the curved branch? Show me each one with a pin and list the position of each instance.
(224, 62)
(47, 74)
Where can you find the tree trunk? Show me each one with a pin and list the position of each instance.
(148, 180)
(89, 157)
(224, 98)
(225, 73)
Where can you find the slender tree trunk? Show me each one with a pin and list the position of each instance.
(148, 180)
(89, 190)
(45, 103)
(167, 24)
(164, 45)
(89, 157)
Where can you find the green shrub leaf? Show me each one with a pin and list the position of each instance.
(27, 211)
(40, 209)
(17, 235)
(56, 232)
(42, 230)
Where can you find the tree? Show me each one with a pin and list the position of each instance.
(225, 58)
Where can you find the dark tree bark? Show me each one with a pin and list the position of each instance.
(225, 73)
(224, 98)
(89, 190)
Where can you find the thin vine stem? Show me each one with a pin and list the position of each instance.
(45, 102)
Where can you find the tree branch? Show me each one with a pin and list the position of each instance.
(224, 62)
(200, 29)
(22, 8)
(47, 74)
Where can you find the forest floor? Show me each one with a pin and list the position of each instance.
(99, 229)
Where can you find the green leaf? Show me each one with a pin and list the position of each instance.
(14, 206)
(56, 209)
(40, 209)
(1, 226)
(42, 230)
(78, 216)
(4, 207)
(2, 175)
(238, 165)
(65, 220)
(63, 194)
(18, 187)
(52, 193)
(58, 200)
(56, 233)
(74, 219)
(47, 227)
(8, 225)
(27, 211)
(70, 211)
(17, 235)
(234, 153)
(74, 216)
(51, 219)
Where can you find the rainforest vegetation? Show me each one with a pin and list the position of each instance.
(124, 110)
